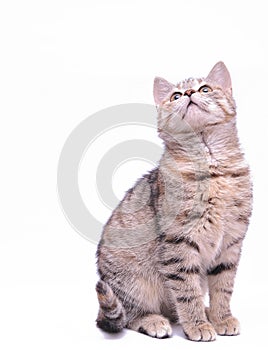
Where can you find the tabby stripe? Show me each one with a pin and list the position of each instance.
(113, 312)
(107, 272)
(186, 299)
(220, 268)
(174, 277)
(186, 291)
(171, 261)
(124, 297)
(128, 301)
(114, 317)
(178, 240)
(224, 290)
(227, 315)
(234, 242)
(227, 291)
(100, 289)
(223, 107)
(190, 270)
(243, 218)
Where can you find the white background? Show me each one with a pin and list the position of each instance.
(61, 61)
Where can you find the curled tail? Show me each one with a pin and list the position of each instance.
(111, 317)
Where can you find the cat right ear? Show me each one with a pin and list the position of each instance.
(161, 89)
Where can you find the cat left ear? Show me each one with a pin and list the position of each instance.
(161, 89)
(220, 75)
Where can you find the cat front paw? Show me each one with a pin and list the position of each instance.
(230, 326)
(201, 332)
(226, 326)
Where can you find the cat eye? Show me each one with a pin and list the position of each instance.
(205, 89)
(175, 96)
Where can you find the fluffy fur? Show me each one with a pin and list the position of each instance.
(178, 232)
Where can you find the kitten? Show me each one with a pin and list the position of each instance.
(179, 230)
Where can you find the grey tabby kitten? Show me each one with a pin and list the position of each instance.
(178, 232)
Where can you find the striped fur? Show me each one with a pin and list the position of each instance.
(111, 316)
(178, 232)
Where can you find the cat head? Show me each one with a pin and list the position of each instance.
(194, 104)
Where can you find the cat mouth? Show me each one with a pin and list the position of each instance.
(190, 105)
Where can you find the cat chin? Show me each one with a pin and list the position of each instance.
(199, 119)
(196, 117)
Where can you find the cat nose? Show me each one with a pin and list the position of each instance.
(189, 92)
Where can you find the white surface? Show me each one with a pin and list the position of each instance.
(64, 60)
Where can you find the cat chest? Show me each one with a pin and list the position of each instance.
(212, 207)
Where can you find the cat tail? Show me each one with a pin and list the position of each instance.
(112, 315)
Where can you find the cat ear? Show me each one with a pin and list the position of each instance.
(161, 89)
(220, 75)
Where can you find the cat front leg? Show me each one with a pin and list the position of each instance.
(221, 282)
(180, 266)
(221, 275)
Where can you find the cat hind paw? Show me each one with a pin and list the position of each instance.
(155, 326)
